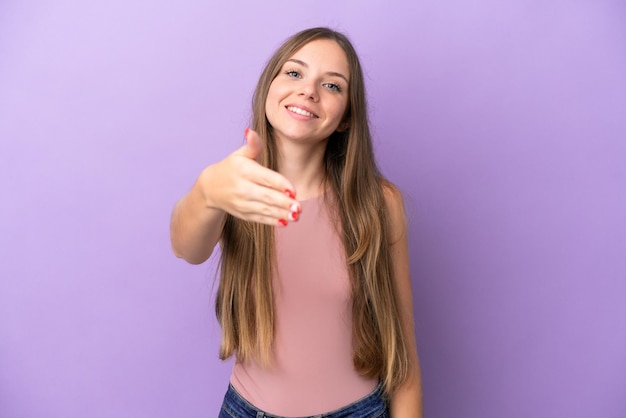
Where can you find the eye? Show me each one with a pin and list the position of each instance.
(293, 74)
(333, 87)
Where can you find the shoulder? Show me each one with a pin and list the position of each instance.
(393, 197)
(395, 209)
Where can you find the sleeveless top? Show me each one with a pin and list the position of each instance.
(312, 370)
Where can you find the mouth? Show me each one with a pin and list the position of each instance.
(300, 111)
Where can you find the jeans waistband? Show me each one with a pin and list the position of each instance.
(373, 405)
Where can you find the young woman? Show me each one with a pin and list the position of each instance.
(314, 297)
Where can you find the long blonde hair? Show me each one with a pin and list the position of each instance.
(244, 304)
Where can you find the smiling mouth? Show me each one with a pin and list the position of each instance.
(302, 112)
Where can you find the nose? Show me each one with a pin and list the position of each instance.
(308, 89)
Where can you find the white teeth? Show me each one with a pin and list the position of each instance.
(300, 111)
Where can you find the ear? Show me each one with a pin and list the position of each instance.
(343, 126)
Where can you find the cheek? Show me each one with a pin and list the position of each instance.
(272, 98)
(339, 109)
(272, 104)
(275, 96)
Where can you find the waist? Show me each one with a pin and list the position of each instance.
(373, 404)
(310, 388)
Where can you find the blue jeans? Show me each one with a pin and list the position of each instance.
(371, 406)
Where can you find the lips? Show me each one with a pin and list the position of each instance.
(301, 111)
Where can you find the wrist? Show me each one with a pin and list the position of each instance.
(206, 190)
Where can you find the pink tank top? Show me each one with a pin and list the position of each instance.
(312, 370)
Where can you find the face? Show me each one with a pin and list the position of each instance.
(307, 100)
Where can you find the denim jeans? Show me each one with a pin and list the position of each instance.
(371, 406)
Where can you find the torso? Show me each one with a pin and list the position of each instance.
(312, 370)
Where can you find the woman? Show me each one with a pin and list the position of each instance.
(315, 296)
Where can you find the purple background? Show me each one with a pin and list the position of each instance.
(503, 122)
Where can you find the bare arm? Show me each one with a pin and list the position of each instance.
(237, 185)
(406, 401)
(196, 224)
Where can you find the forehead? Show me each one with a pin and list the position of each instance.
(324, 54)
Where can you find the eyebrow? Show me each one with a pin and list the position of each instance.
(304, 64)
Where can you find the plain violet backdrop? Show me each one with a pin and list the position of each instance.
(504, 123)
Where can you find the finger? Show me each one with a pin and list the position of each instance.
(263, 175)
(268, 197)
(270, 215)
(270, 221)
(253, 147)
(254, 144)
(263, 209)
(271, 179)
(258, 174)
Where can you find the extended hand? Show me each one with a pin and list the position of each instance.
(242, 187)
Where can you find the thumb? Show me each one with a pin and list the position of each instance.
(253, 146)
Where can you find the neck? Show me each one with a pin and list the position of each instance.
(303, 166)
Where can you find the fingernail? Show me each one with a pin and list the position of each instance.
(293, 216)
(295, 208)
(282, 222)
(290, 193)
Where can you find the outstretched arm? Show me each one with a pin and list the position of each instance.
(237, 185)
